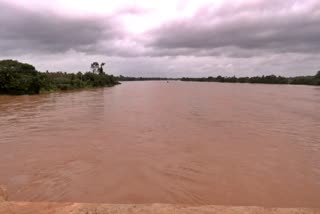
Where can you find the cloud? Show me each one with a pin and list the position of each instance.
(24, 31)
(164, 38)
(261, 26)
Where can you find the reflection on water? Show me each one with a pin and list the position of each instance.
(146, 142)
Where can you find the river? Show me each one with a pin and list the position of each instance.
(159, 142)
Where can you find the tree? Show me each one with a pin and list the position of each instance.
(101, 68)
(95, 67)
(318, 75)
(18, 78)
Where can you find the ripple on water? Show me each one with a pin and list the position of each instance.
(147, 142)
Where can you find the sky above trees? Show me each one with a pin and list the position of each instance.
(171, 38)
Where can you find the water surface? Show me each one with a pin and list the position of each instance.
(158, 142)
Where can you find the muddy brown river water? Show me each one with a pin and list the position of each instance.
(158, 142)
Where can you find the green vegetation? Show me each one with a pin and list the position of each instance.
(271, 79)
(20, 78)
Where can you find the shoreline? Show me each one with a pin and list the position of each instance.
(95, 208)
(154, 208)
(62, 91)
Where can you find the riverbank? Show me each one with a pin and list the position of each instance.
(83, 208)
(18, 78)
(270, 79)
(96, 208)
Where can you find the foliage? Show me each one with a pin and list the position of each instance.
(270, 79)
(20, 78)
(96, 68)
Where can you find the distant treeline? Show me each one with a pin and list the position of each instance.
(123, 78)
(20, 78)
(270, 79)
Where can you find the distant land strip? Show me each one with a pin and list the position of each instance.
(18, 78)
(269, 79)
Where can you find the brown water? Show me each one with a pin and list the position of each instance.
(182, 142)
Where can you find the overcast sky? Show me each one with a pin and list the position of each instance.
(171, 38)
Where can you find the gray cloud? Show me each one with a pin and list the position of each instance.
(24, 31)
(263, 26)
(252, 38)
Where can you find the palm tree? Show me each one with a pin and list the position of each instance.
(95, 67)
(101, 68)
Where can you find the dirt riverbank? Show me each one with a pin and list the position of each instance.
(82, 208)
(11, 207)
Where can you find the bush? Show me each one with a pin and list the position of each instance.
(20, 78)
